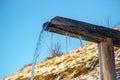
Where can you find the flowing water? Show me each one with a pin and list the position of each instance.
(69, 40)
(80, 38)
(66, 41)
(51, 41)
(38, 49)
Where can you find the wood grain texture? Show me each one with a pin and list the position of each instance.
(108, 71)
(105, 37)
(89, 32)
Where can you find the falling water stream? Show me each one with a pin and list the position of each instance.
(39, 46)
(80, 38)
(69, 40)
(38, 49)
(66, 41)
(51, 41)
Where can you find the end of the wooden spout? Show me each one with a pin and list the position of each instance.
(46, 25)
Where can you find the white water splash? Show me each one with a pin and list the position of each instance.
(38, 49)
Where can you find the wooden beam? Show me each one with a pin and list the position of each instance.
(102, 35)
(107, 71)
(87, 31)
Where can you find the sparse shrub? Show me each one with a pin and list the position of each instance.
(56, 49)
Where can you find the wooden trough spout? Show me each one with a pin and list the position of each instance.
(87, 31)
(105, 37)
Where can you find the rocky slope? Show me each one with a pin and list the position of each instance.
(79, 64)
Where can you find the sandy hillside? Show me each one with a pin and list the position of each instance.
(79, 64)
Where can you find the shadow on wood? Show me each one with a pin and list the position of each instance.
(87, 31)
(105, 37)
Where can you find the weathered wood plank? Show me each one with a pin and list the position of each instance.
(108, 71)
(87, 31)
(100, 62)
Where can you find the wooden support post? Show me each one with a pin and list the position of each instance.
(100, 61)
(94, 33)
(107, 60)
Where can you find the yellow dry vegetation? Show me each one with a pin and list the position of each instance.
(79, 64)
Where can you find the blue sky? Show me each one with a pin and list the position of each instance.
(21, 22)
